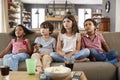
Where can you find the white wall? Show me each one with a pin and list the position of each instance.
(117, 16)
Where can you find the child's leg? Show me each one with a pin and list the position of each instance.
(7, 60)
(37, 57)
(39, 63)
(56, 57)
(82, 54)
(98, 56)
(46, 60)
(111, 54)
(12, 60)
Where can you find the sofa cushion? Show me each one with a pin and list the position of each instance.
(113, 40)
(93, 70)
(97, 70)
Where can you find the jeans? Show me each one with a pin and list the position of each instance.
(79, 55)
(12, 60)
(106, 56)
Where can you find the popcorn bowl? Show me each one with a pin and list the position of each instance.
(57, 72)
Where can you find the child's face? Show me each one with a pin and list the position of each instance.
(89, 26)
(67, 23)
(19, 32)
(45, 31)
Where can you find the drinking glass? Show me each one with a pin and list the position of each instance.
(4, 72)
(31, 66)
(69, 62)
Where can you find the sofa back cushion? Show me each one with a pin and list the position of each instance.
(113, 40)
(5, 39)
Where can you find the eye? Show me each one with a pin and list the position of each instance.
(89, 24)
(68, 21)
(85, 25)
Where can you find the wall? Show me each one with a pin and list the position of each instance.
(117, 16)
(113, 14)
(92, 6)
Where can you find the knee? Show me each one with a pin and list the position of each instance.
(47, 57)
(93, 51)
(34, 55)
(87, 52)
(115, 53)
(53, 54)
(6, 56)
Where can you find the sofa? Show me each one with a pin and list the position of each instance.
(92, 70)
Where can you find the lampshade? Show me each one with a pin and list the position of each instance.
(37, 12)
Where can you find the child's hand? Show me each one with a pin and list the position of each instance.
(69, 55)
(36, 48)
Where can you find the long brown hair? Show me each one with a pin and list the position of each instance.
(74, 24)
(27, 31)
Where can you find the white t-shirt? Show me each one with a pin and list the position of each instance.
(69, 42)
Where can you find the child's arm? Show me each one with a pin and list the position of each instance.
(104, 44)
(106, 47)
(59, 47)
(6, 50)
(36, 48)
(29, 50)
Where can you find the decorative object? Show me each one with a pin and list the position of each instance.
(53, 9)
(37, 13)
(107, 6)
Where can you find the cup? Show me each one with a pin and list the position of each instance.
(31, 66)
(69, 62)
(4, 72)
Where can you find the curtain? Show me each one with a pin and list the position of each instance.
(4, 26)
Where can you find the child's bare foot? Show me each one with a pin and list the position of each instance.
(83, 60)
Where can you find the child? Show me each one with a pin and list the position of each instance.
(97, 44)
(69, 42)
(20, 48)
(44, 45)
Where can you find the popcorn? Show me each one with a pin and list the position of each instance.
(58, 69)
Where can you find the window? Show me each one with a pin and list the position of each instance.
(37, 18)
(83, 14)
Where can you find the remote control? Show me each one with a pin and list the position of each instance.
(76, 76)
(43, 76)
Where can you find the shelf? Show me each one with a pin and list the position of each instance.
(53, 19)
(13, 4)
(13, 11)
(25, 12)
(27, 17)
(26, 21)
(96, 13)
(12, 17)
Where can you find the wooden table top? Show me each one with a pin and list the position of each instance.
(22, 75)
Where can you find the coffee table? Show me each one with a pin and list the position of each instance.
(22, 75)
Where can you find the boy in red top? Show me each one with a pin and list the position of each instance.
(95, 42)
